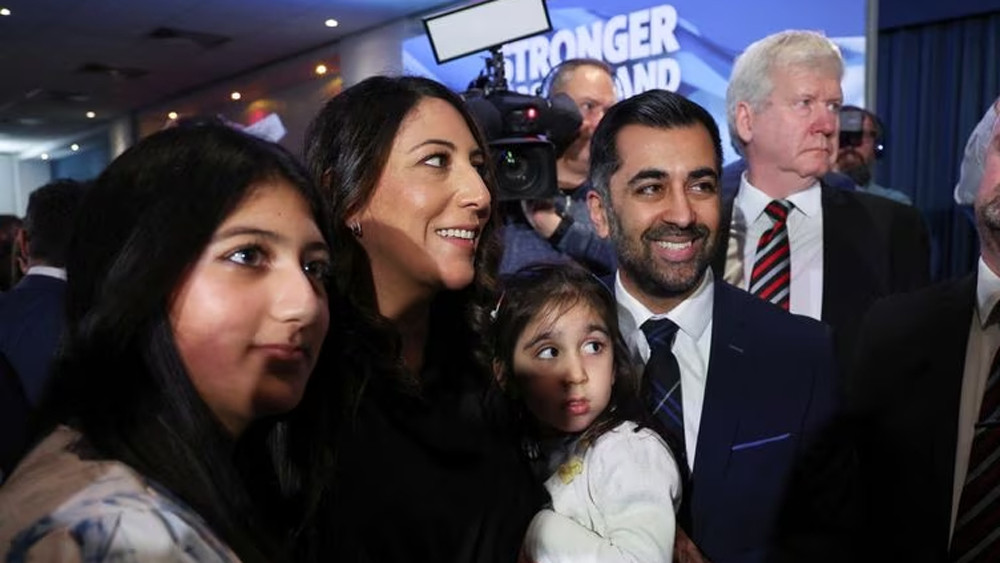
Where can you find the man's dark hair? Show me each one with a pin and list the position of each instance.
(655, 108)
(48, 223)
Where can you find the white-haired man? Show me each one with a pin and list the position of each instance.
(792, 240)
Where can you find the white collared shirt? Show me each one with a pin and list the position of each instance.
(983, 344)
(805, 240)
(692, 346)
(49, 271)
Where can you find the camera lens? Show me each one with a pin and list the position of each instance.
(525, 168)
(514, 170)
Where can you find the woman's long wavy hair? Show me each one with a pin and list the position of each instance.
(119, 378)
(347, 148)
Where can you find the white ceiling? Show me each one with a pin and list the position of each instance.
(44, 96)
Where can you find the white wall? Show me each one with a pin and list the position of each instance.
(8, 184)
(378, 51)
(33, 173)
(18, 178)
(120, 136)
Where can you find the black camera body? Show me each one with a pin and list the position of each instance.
(851, 127)
(526, 134)
(852, 131)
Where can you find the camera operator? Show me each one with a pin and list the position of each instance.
(861, 144)
(560, 228)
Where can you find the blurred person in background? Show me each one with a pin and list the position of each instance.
(31, 313)
(862, 143)
(9, 225)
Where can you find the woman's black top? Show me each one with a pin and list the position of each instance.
(425, 477)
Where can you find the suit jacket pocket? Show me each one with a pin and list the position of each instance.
(761, 442)
(755, 482)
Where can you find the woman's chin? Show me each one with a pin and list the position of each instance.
(458, 278)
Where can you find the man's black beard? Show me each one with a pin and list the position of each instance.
(860, 172)
(634, 261)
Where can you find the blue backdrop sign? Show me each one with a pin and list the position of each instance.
(686, 46)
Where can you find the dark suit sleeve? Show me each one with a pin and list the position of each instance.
(910, 251)
(903, 397)
(14, 413)
(819, 514)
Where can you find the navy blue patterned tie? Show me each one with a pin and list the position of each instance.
(662, 378)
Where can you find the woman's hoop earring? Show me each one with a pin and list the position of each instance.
(355, 229)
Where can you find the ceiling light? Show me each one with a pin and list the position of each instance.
(321, 69)
(91, 115)
(44, 156)
(235, 95)
(74, 147)
(4, 12)
(172, 116)
(331, 23)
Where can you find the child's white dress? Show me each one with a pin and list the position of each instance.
(612, 501)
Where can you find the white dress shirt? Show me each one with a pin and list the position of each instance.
(59, 273)
(983, 344)
(805, 240)
(692, 346)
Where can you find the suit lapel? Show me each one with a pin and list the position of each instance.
(720, 413)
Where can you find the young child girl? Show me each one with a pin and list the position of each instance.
(558, 355)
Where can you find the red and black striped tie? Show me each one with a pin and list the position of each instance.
(772, 266)
(977, 526)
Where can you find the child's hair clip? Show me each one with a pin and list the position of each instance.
(496, 309)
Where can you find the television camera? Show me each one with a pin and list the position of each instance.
(526, 134)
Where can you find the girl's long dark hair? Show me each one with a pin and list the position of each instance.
(119, 378)
(536, 290)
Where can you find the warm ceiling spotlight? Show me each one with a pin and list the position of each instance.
(4, 12)
(74, 147)
(331, 23)
(44, 156)
(91, 115)
(172, 116)
(235, 96)
(321, 69)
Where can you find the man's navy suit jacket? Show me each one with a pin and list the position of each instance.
(31, 322)
(761, 479)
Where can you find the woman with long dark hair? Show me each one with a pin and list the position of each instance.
(420, 473)
(196, 308)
